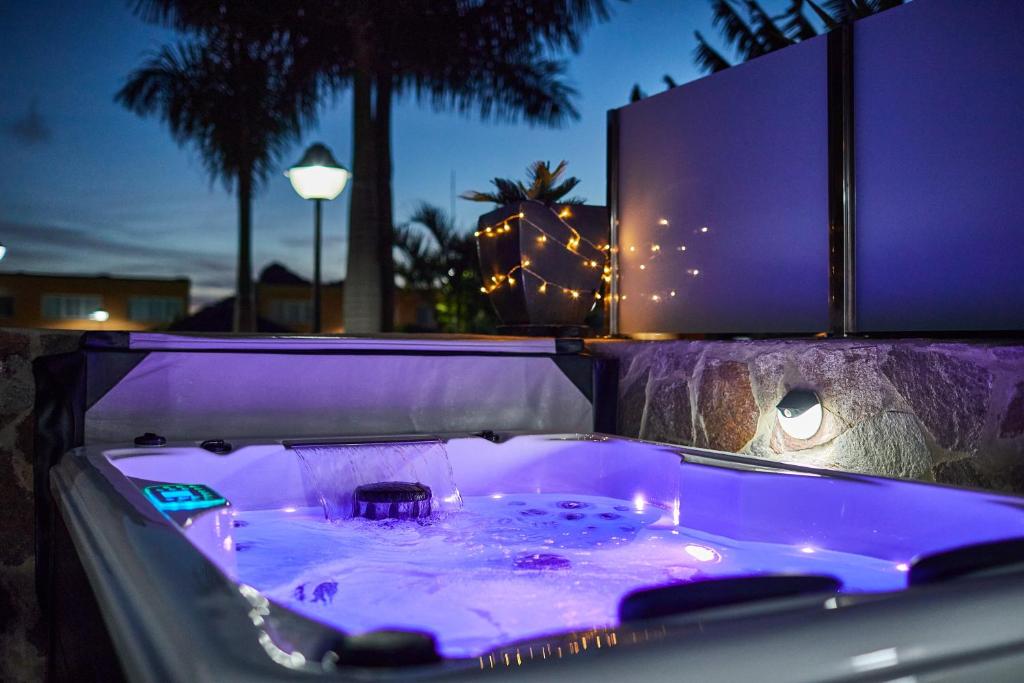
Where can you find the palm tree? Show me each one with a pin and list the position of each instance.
(494, 57)
(432, 255)
(235, 103)
(750, 31)
(543, 185)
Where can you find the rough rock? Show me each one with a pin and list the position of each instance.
(632, 399)
(950, 395)
(1013, 421)
(962, 472)
(667, 417)
(16, 518)
(725, 404)
(890, 444)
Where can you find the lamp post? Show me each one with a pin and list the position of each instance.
(317, 176)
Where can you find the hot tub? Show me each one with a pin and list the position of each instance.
(579, 554)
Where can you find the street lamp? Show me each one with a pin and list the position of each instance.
(317, 176)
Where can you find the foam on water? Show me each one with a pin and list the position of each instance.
(502, 569)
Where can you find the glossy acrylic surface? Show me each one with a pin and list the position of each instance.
(554, 531)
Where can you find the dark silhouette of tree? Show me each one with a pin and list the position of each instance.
(750, 31)
(496, 58)
(236, 104)
(434, 257)
(543, 185)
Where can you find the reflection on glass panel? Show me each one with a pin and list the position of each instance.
(938, 111)
(723, 224)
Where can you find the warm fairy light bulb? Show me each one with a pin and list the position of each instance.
(643, 267)
(526, 262)
(632, 248)
(542, 239)
(565, 213)
(663, 221)
(682, 247)
(655, 247)
(672, 293)
(543, 288)
(511, 281)
(655, 297)
(484, 290)
(574, 294)
(597, 295)
(476, 234)
(704, 229)
(521, 214)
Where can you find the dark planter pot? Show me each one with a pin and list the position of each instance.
(543, 267)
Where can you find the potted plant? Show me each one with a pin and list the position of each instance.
(544, 258)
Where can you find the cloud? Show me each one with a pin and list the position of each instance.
(63, 249)
(31, 129)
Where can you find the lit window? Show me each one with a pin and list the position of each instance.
(155, 309)
(70, 306)
(291, 311)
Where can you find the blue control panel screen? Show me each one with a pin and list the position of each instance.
(171, 497)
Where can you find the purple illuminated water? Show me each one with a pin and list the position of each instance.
(502, 569)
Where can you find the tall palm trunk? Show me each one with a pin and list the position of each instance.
(363, 277)
(245, 314)
(385, 226)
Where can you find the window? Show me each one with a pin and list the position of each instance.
(6, 306)
(64, 306)
(291, 311)
(155, 309)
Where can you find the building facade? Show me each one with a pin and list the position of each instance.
(89, 302)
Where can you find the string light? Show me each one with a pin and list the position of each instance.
(572, 244)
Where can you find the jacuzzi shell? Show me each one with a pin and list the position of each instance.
(173, 614)
(161, 598)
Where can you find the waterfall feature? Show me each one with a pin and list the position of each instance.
(335, 471)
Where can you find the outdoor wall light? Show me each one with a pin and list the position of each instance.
(800, 414)
(3, 251)
(99, 316)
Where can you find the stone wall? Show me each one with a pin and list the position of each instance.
(22, 636)
(936, 411)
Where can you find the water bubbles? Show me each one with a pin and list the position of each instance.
(572, 516)
(541, 561)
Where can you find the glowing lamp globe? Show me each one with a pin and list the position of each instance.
(318, 175)
(3, 251)
(800, 414)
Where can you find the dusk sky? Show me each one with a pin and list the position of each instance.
(88, 187)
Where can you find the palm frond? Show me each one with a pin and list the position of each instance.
(735, 29)
(706, 57)
(796, 25)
